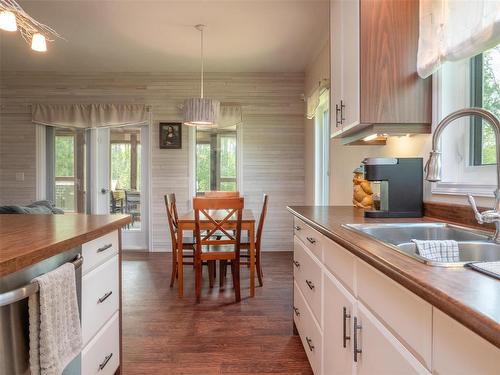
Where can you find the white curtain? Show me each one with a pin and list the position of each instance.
(90, 115)
(453, 30)
(313, 100)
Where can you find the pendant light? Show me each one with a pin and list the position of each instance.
(201, 112)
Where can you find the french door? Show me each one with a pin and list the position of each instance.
(119, 179)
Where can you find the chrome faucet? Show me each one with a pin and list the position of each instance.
(433, 165)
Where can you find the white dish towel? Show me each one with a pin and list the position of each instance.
(438, 250)
(55, 333)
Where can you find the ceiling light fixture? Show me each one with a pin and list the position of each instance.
(8, 21)
(201, 112)
(13, 17)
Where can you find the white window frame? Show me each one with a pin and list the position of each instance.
(322, 152)
(461, 178)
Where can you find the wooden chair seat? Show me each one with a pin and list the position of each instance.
(219, 252)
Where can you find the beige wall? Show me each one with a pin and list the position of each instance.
(317, 69)
(272, 134)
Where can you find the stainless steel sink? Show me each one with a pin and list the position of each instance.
(473, 245)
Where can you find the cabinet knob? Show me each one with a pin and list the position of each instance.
(296, 264)
(311, 240)
(310, 284)
(297, 228)
(296, 311)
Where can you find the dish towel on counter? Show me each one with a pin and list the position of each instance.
(54, 322)
(438, 251)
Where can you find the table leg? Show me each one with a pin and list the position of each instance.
(251, 235)
(180, 267)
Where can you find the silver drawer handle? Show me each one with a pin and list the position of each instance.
(104, 297)
(310, 344)
(296, 311)
(297, 228)
(345, 316)
(357, 327)
(311, 240)
(105, 362)
(296, 264)
(310, 284)
(104, 248)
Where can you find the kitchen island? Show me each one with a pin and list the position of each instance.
(31, 245)
(421, 309)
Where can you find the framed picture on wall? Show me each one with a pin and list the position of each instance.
(170, 135)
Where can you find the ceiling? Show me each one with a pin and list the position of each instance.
(159, 36)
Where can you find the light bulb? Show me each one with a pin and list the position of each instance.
(8, 21)
(38, 43)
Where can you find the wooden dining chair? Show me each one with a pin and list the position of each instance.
(222, 194)
(187, 242)
(218, 212)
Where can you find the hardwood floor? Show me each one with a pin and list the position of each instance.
(163, 334)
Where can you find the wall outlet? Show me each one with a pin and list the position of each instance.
(20, 176)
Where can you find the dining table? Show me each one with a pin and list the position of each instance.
(186, 223)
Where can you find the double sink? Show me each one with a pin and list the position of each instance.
(473, 245)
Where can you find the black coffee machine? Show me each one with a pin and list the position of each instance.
(399, 184)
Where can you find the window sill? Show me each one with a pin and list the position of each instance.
(451, 188)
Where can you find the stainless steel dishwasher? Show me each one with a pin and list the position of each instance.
(15, 289)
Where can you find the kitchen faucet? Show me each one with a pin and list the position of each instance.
(433, 166)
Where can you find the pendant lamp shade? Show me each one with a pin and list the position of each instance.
(201, 112)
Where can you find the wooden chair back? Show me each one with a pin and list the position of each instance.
(218, 212)
(172, 217)
(222, 194)
(262, 218)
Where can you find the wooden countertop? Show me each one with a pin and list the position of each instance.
(468, 296)
(29, 239)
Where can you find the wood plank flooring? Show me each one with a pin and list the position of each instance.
(163, 334)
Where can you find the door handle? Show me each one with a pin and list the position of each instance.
(104, 297)
(342, 107)
(105, 362)
(357, 327)
(311, 240)
(345, 316)
(309, 344)
(310, 284)
(104, 190)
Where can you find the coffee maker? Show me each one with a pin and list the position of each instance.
(399, 184)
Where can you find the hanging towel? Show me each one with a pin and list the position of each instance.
(55, 333)
(438, 251)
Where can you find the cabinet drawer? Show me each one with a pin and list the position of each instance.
(458, 350)
(97, 251)
(100, 297)
(406, 315)
(309, 332)
(340, 262)
(102, 354)
(309, 277)
(310, 237)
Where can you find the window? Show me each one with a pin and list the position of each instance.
(216, 160)
(485, 93)
(322, 150)
(65, 181)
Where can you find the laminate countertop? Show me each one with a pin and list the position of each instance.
(29, 239)
(468, 296)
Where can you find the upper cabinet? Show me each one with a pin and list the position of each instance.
(375, 88)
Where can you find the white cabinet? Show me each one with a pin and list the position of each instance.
(101, 305)
(459, 351)
(378, 351)
(375, 88)
(339, 310)
(357, 321)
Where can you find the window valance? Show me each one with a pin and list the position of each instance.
(453, 30)
(90, 115)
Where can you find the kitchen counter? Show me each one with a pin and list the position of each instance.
(468, 296)
(29, 239)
